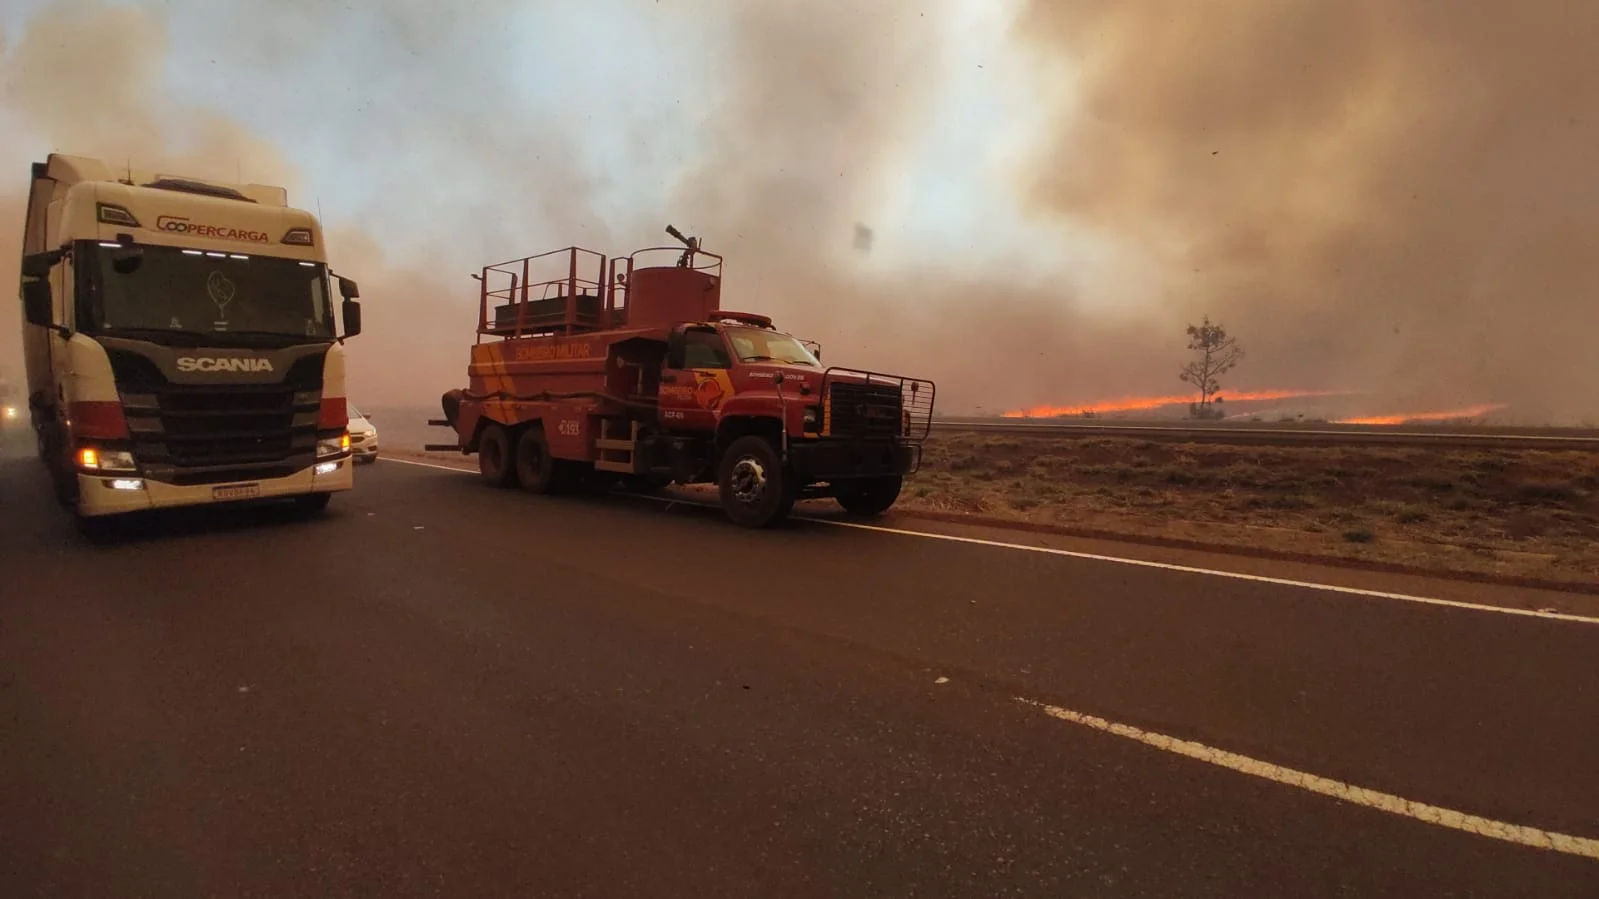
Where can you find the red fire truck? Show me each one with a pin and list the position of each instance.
(590, 371)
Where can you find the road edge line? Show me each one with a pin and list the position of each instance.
(1567, 617)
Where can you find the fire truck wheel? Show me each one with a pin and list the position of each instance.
(756, 491)
(494, 460)
(535, 467)
(869, 496)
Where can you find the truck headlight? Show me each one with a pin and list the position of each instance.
(809, 417)
(329, 447)
(10, 412)
(102, 460)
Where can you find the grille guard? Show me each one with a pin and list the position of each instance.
(870, 401)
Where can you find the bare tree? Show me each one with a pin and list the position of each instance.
(1217, 355)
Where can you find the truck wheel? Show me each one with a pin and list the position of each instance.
(538, 471)
(494, 460)
(756, 491)
(870, 496)
(63, 471)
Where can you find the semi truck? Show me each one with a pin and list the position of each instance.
(179, 341)
(589, 370)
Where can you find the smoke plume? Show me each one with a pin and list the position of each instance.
(1395, 195)
(1382, 195)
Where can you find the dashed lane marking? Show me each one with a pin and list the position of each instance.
(1385, 802)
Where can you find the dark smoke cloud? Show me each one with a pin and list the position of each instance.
(1396, 195)
(799, 132)
(822, 110)
(1370, 195)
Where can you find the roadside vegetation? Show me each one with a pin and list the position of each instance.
(1505, 512)
(1522, 513)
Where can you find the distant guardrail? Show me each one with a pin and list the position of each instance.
(1265, 434)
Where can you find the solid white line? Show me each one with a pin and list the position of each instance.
(1237, 575)
(1386, 802)
(1146, 563)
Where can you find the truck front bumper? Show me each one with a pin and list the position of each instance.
(100, 494)
(824, 460)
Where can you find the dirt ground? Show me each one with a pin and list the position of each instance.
(1507, 512)
(1514, 513)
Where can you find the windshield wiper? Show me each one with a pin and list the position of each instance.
(157, 333)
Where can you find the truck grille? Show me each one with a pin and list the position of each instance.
(187, 435)
(863, 411)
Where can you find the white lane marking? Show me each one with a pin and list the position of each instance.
(1386, 802)
(1147, 563)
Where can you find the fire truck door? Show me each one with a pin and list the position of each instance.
(695, 379)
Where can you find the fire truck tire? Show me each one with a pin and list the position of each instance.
(755, 488)
(494, 460)
(538, 471)
(868, 497)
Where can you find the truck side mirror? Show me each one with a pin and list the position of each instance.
(38, 265)
(126, 259)
(348, 289)
(675, 346)
(36, 302)
(352, 318)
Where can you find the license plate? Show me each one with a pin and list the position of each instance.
(236, 491)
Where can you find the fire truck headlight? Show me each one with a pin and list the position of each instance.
(10, 412)
(809, 418)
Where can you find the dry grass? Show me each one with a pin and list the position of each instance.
(1491, 511)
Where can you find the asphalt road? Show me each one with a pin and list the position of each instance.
(440, 689)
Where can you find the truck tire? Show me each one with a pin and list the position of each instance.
(868, 497)
(494, 460)
(756, 490)
(538, 471)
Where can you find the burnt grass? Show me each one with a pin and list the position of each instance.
(1524, 513)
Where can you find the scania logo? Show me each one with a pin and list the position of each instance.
(223, 363)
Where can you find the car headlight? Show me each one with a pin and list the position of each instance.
(102, 460)
(333, 446)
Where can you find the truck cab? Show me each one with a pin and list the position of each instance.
(181, 341)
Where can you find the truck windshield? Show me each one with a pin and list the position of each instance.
(213, 294)
(760, 345)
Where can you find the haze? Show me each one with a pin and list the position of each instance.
(1390, 197)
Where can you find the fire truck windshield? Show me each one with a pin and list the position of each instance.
(169, 291)
(760, 345)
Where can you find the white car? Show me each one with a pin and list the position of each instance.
(363, 436)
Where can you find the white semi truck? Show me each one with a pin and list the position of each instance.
(180, 341)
